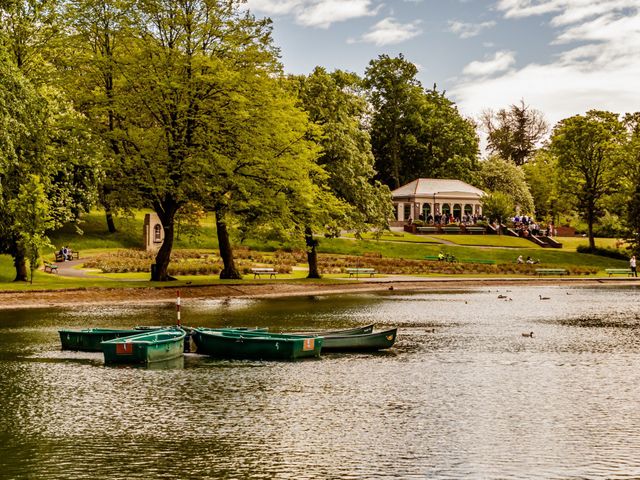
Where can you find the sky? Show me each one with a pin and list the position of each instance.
(562, 57)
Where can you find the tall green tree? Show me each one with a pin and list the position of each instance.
(589, 149)
(541, 174)
(632, 178)
(48, 138)
(394, 94)
(514, 133)
(416, 133)
(262, 151)
(335, 102)
(498, 175)
(33, 219)
(183, 64)
(95, 42)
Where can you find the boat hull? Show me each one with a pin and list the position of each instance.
(255, 346)
(149, 347)
(88, 340)
(360, 343)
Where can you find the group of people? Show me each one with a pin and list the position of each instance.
(529, 260)
(526, 226)
(447, 218)
(66, 252)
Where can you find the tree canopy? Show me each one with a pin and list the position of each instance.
(514, 133)
(589, 149)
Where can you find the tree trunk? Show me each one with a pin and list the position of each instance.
(110, 224)
(590, 218)
(312, 254)
(226, 252)
(20, 262)
(167, 212)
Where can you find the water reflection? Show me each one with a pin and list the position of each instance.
(462, 395)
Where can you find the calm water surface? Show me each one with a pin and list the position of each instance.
(471, 399)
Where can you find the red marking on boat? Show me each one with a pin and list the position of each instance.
(308, 344)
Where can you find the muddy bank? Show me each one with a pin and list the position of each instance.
(124, 296)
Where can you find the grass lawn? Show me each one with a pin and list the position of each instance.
(398, 237)
(572, 243)
(488, 241)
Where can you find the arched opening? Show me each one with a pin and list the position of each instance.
(446, 209)
(457, 211)
(426, 211)
(157, 234)
(468, 210)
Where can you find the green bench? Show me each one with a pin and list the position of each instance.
(50, 267)
(475, 230)
(451, 229)
(551, 271)
(427, 229)
(361, 271)
(618, 271)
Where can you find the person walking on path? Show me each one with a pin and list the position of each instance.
(632, 264)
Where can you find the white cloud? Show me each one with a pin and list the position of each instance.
(390, 32)
(315, 13)
(468, 30)
(500, 62)
(599, 67)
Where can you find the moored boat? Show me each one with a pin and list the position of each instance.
(348, 331)
(360, 343)
(255, 345)
(89, 339)
(147, 347)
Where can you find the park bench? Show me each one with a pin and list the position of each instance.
(618, 271)
(427, 229)
(551, 271)
(264, 271)
(50, 267)
(473, 230)
(361, 271)
(73, 253)
(452, 229)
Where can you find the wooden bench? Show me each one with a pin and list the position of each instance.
(473, 230)
(451, 229)
(60, 257)
(619, 271)
(361, 271)
(50, 267)
(427, 229)
(551, 271)
(264, 271)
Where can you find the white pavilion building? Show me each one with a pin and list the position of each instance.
(430, 196)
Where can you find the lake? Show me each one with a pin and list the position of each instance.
(463, 394)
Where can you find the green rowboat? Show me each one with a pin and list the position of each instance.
(255, 345)
(147, 347)
(89, 339)
(360, 343)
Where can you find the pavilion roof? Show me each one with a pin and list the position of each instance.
(423, 187)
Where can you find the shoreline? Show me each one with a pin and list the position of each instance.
(11, 300)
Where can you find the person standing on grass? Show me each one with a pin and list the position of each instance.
(632, 264)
